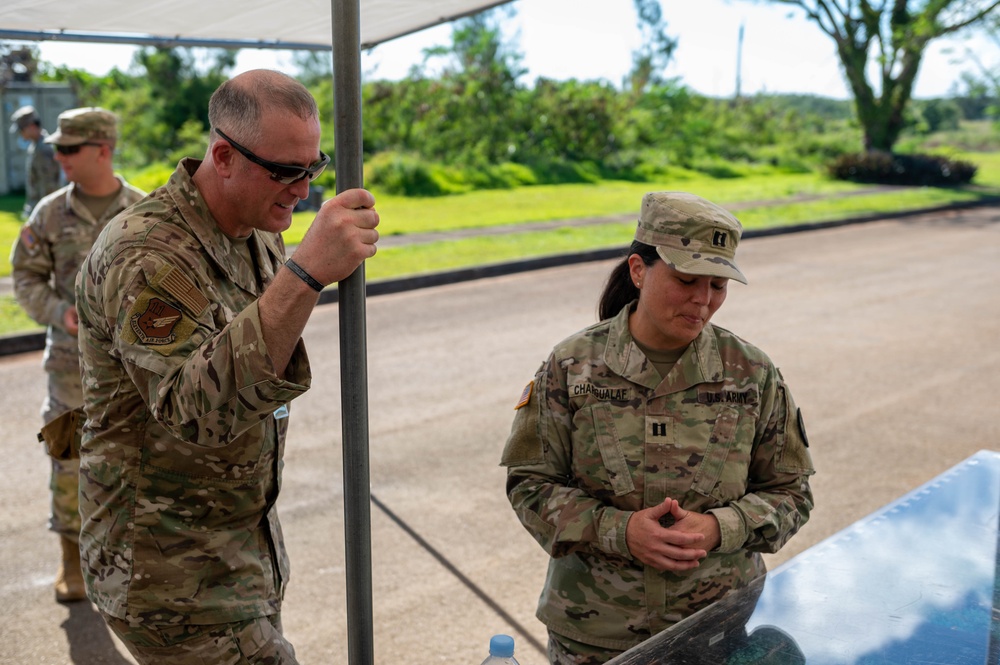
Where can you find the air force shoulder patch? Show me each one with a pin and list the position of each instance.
(155, 324)
(156, 321)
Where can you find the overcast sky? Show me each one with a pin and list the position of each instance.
(594, 39)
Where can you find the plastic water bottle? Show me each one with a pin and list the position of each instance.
(501, 651)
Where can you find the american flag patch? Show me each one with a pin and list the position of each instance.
(29, 239)
(180, 287)
(525, 395)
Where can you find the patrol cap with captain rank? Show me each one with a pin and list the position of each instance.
(691, 234)
(85, 125)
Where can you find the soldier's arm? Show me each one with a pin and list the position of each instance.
(562, 518)
(340, 237)
(32, 265)
(207, 382)
(779, 498)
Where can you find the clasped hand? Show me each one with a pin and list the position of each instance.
(677, 547)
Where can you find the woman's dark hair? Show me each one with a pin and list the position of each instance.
(619, 289)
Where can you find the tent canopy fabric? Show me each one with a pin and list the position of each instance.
(235, 23)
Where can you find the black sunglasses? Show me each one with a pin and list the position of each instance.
(286, 174)
(72, 149)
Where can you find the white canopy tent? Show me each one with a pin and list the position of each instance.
(300, 24)
(345, 27)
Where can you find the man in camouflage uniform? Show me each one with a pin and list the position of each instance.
(655, 455)
(41, 169)
(46, 260)
(190, 326)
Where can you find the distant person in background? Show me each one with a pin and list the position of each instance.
(655, 455)
(46, 259)
(42, 171)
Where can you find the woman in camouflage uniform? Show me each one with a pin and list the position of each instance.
(655, 455)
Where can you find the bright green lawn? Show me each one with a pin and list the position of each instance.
(12, 317)
(402, 216)
(10, 225)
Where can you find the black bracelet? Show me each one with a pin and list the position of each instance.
(303, 275)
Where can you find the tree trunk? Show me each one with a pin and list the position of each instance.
(896, 33)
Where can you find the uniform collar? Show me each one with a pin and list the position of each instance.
(73, 203)
(700, 363)
(267, 248)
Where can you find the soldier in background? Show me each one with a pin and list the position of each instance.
(190, 336)
(655, 455)
(46, 259)
(41, 169)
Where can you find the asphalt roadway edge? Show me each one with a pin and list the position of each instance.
(35, 341)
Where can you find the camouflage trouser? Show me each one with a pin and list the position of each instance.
(65, 394)
(564, 651)
(253, 642)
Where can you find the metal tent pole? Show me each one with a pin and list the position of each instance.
(353, 344)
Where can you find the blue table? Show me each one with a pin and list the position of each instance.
(914, 583)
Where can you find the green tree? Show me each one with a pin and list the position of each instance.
(398, 113)
(651, 59)
(667, 119)
(178, 90)
(161, 102)
(977, 96)
(480, 113)
(892, 36)
(982, 89)
(313, 66)
(570, 120)
(936, 115)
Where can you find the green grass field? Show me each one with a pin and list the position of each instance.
(759, 201)
(405, 215)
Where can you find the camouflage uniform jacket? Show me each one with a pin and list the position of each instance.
(599, 435)
(46, 258)
(181, 459)
(42, 172)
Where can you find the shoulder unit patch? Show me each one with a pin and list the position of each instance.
(155, 324)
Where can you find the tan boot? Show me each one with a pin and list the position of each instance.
(69, 579)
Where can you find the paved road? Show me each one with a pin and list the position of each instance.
(884, 330)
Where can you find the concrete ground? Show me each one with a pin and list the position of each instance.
(885, 331)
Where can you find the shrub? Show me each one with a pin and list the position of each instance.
(515, 175)
(506, 175)
(558, 172)
(719, 168)
(937, 115)
(891, 169)
(403, 174)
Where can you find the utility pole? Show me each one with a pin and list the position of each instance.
(739, 61)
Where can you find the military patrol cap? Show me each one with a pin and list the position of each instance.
(22, 117)
(691, 234)
(85, 125)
